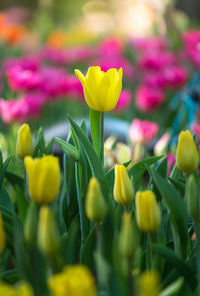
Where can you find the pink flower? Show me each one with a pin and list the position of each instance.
(152, 43)
(24, 108)
(110, 47)
(191, 41)
(173, 76)
(161, 145)
(156, 59)
(148, 99)
(171, 160)
(124, 100)
(142, 131)
(196, 129)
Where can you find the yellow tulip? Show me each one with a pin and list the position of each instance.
(126, 237)
(148, 214)
(48, 235)
(101, 89)
(43, 178)
(6, 289)
(186, 154)
(24, 289)
(2, 235)
(123, 189)
(74, 280)
(95, 205)
(149, 282)
(24, 142)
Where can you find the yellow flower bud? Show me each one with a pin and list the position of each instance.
(101, 89)
(126, 236)
(6, 289)
(74, 280)
(2, 235)
(186, 154)
(43, 178)
(24, 289)
(123, 153)
(148, 214)
(24, 142)
(48, 235)
(95, 205)
(149, 283)
(123, 189)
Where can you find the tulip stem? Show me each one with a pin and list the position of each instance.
(130, 277)
(149, 251)
(102, 138)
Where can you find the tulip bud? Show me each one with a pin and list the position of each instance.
(149, 282)
(24, 142)
(192, 197)
(2, 235)
(186, 153)
(126, 236)
(148, 214)
(95, 205)
(48, 235)
(43, 178)
(24, 289)
(123, 189)
(31, 221)
(123, 153)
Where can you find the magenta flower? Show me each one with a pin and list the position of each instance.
(142, 131)
(148, 99)
(24, 108)
(191, 41)
(124, 101)
(146, 44)
(156, 60)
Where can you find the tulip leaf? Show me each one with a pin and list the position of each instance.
(176, 209)
(94, 162)
(87, 255)
(136, 171)
(178, 263)
(172, 289)
(3, 172)
(5, 200)
(39, 143)
(69, 149)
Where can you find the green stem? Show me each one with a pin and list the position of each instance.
(26, 185)
(149, 252)
(102, 138)
(130, 278)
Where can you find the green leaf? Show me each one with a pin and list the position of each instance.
(172, 289)
(39, 143)
(178, 263)
(136, 171)
(21, 203)
(89, 246)
(94, 162)
(48, 148)
(4, 171)
(176, 209)
(5, 200)
(69, 149)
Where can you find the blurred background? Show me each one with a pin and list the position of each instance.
(156, 42)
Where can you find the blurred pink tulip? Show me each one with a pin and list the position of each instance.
(142, 131)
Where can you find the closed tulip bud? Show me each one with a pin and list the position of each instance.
(95, 205)
(24, 142)
(148, 214)
(101, 89)
(43, 178)
(126, 237)
(186, 154)
(2, 235)
(192, 197)
(30, 225)
(48, 235)
(123, 153)
(24, 289)
(123, 189)
(149, 283)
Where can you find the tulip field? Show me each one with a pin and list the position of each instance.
(99, 211)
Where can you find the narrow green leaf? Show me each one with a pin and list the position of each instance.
(178, 263)
(172, 289)
(94, 162)
(69, 149)
(5, 165)
(176, 209)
